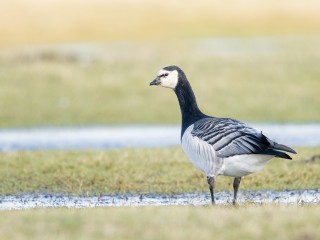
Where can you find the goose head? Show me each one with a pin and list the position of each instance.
(169, 77)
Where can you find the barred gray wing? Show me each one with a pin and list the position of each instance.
(230, 137)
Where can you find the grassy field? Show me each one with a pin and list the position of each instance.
(90, 62)
(140, 171)
(174, 222)
(256, 79)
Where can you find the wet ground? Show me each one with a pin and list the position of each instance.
(288, 197)
(108, 137)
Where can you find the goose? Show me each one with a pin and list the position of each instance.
(218, 146)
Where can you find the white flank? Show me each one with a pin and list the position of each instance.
(200, 153)
(169, 81)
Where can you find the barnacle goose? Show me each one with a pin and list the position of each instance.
(218, 146)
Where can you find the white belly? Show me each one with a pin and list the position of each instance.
(242, 165)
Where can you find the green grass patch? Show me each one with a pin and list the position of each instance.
(251, 79)
(140, 171)
(174, 222)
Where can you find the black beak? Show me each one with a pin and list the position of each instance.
(155, 82)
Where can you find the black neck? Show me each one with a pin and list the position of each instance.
(190, 111)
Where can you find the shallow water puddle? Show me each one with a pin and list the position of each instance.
(119, 136)
(27, 201)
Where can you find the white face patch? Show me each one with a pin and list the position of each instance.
(168, 79)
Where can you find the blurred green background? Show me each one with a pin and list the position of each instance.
(90, 62)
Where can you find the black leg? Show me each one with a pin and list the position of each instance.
(211, 182)
(236, 184)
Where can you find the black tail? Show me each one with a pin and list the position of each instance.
(273, 147)
(283, 148)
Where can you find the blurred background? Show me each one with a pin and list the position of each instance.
(69, 62)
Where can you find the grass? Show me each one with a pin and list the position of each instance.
(252, 79)
(174, 222)
(139, 171)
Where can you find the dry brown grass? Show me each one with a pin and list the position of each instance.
(52, 21)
